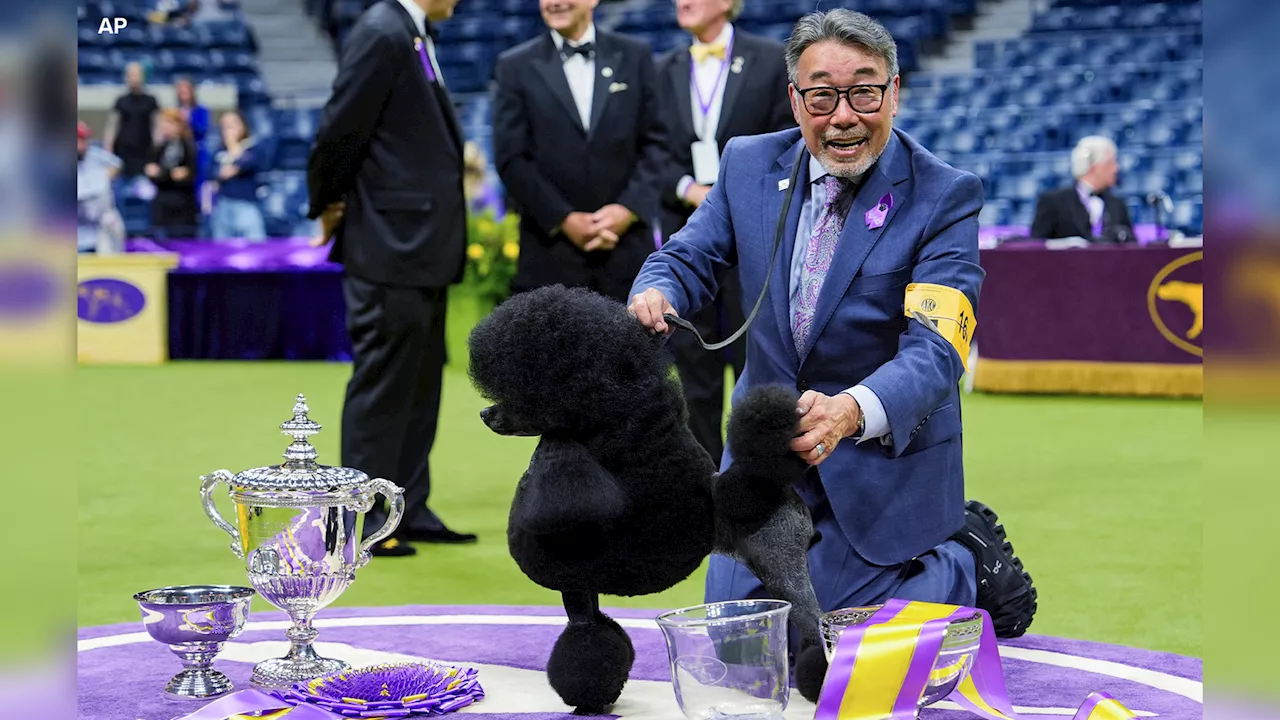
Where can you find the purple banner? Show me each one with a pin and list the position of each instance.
(1122, 304)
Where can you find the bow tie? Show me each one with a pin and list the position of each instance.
(585, 50)
(701, 51)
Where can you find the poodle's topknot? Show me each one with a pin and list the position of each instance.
(561, 358)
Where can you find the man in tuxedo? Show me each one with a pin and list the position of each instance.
(577, 142)
(868, 313)
(721, 84)
(1087, 209)
(385, 178)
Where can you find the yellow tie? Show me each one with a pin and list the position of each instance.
(701, 52)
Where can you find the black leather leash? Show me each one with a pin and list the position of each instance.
(773, 259)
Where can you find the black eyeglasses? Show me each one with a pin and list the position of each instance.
(823, 100)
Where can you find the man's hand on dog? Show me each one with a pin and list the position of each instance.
(824, 422)
(648, 307)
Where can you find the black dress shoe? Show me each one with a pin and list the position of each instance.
(1004, 587)
(441, 535)
(392, 547)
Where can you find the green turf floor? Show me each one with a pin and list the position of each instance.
(1100, 496)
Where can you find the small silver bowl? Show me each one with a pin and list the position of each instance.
(194, 621)
(955, 659)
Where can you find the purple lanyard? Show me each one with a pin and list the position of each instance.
(705, 107)
(421, 47)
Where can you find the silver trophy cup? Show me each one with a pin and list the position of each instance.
(298, 528)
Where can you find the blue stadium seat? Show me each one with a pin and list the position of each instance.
(284, 201)
(182, 61)
(168, 36)
(231, 35)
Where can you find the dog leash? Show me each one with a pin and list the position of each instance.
(773, 259)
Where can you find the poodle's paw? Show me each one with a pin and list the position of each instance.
(589, 665)
(811, 671)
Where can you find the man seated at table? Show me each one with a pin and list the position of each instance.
(1087, 209)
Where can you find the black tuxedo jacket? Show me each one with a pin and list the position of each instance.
(550, 166)
(390, 145)
(755, 102)
(1060, 214)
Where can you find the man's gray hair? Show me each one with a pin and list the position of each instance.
(843, 26)
(1089, 152)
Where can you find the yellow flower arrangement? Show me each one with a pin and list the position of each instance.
(493, 246)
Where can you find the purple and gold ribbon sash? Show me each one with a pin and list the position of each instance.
(881, 668)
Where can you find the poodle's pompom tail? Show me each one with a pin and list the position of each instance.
(811, 671)
(760, 431)
(589, 665)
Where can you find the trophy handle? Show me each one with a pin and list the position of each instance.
(396, 496)
(207, 485)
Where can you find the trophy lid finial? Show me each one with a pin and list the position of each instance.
(300, 476)
(301, 454)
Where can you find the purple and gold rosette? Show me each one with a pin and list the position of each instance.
(377, 692)
(392, 690)
(880, 669)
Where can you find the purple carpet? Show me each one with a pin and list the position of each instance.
(124, 681)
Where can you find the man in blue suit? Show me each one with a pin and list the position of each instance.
(869, 313)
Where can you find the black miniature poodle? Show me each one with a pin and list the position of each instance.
(619, 498)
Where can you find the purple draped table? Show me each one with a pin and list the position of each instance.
(234, 300)
(1106, 319)
(122, 672)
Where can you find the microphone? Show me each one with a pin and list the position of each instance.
(1162, 204)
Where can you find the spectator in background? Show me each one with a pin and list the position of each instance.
(171, 168)
(720, 84)
(100, 228)
(1087, 209)
(235, 211)
(178, 13)
(578, 144)
(197, 117)
(131, 124)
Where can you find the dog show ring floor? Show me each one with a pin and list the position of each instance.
(122, 671)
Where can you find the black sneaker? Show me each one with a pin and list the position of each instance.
(1004, 587)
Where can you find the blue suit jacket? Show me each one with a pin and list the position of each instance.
(898, 497)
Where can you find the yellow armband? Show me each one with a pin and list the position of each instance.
(950, 311)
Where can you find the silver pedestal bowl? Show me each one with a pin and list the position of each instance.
(955, 659)
(194, 621)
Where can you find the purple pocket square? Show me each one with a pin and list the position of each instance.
(876, 215)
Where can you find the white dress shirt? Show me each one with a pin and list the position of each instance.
(710, 77)
(1094, 204)
(420, 21)
(875, 420)
(580, 72)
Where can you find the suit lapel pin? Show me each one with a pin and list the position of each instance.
(736, 67)
(875, 216)
(607, 72)
(783, 184)
(617, 87)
